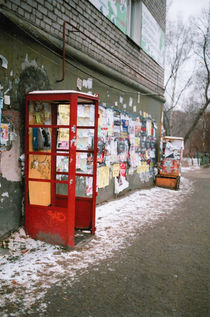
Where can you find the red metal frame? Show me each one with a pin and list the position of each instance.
(57, 222)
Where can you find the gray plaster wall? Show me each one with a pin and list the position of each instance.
(34, 64)
(50, 15)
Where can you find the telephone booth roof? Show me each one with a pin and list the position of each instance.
(61, 93)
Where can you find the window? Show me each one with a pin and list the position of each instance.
(134, 20)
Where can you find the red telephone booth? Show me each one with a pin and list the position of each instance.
(60, 164)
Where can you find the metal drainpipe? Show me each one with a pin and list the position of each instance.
(64, 50)
(117, 57)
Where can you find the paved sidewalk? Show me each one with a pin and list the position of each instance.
(165, 272)
(162, 270)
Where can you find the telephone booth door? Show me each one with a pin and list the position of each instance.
(60, 165)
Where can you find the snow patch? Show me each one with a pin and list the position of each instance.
(31, 267)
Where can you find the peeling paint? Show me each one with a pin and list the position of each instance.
(121, 99)
(4, 62)
(28, 63)
(73, 129)
(9, 164)
(6, 100)
(6, 194)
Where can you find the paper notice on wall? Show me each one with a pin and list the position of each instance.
(130, 102)
(116, 170)
(140, 169)
(143, 168)
(103, 176)
(149, 127)
(4, 133)
(120, 184)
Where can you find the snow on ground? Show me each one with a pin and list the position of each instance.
(31, 267)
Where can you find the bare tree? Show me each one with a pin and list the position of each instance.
(202, 82)
(179, 46)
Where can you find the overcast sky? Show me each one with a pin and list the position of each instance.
(186, 8)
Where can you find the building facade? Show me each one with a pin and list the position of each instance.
(112, 48)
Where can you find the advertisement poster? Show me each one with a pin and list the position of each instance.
(116, 170)
(103, 176)
(4, 133)
(114, 10)
(152, 37)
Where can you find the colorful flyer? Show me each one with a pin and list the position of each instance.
(123, 169)
(4, 133)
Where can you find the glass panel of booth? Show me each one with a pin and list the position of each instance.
(39, 141)
(46, 115)
(84, 186)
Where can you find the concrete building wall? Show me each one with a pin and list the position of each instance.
(50, 15)
(31, 56)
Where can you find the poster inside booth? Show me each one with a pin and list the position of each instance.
(39, 165)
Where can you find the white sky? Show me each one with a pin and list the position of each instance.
(187, 8)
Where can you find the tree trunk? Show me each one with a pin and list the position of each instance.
(195, 122)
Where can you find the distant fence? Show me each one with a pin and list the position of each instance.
(188, 161)
(196, 161)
